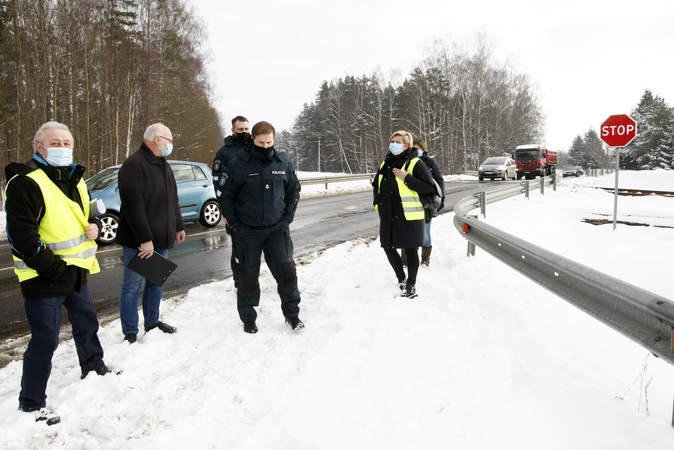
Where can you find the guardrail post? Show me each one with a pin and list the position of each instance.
(526, 189)
(471, 252)
(542, 185)
(326, 185)
(483, 203)
(554, 181)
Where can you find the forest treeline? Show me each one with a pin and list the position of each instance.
(459, 99)
(652, 148)
(107, 69)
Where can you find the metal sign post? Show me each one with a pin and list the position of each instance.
(617, 131)
(615, 194)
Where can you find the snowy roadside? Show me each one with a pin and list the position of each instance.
(483, 359)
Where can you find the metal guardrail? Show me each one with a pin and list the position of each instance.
(336, 179)
(642, 316)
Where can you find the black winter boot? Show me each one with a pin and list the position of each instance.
(410, 291)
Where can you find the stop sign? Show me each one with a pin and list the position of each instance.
(618, 130)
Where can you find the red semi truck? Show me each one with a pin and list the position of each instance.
(534, 160)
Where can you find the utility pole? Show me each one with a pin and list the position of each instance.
(319, 154)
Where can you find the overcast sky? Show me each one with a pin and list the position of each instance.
(588, 59)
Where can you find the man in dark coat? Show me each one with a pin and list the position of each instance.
(259, 203)
(149, 222)
(396, 187)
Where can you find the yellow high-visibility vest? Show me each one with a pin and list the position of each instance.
(412, 207)
(63, 227)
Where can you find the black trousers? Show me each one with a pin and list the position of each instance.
(276, 244)
(396, 262)
(44, 318)
(234, 264)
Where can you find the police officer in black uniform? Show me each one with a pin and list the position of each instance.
(260, 196)
(234, 144)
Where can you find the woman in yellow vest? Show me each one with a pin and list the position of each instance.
(397, 186)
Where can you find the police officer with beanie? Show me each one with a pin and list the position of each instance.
(260, 196)
(52, 238)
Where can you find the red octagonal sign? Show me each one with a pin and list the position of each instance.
(618, 130)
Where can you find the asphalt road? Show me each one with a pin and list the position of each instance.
(320, 223)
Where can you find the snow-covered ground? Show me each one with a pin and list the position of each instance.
(482, 359)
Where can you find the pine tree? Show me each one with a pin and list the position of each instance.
(577, 155)
(595, 151)
(653, 147)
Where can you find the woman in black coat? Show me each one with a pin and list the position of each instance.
(401, 177)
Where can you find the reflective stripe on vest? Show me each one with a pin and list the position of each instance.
(412, 207)
(62, 228)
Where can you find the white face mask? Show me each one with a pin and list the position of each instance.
(395, 148)
(59, 156)
(167, 151)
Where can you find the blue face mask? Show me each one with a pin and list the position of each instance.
(395, 148)
(169, 149)
(421, 152)
(59, 156)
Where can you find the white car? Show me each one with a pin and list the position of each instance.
(497, 167)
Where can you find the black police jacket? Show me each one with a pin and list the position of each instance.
(260, 190)
(233, 146)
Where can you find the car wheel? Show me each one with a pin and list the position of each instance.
(210, 214)
(109, 224)
(481, 178)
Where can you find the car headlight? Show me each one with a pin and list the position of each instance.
(479, 168)
(500, 168)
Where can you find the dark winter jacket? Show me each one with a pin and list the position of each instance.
(233, 146)
(437, 176)
(150, 210)
(394, 230)
(260, 190)
(25, 208)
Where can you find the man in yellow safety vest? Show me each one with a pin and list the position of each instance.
(52, 240)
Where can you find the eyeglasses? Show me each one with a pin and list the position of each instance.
(170, 141)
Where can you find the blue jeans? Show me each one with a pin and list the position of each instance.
(44, 319)
(427, 234)
(128, 299)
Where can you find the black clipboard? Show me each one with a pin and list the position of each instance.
(156, 268)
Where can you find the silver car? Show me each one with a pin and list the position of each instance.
(572, 171)
(497, 167)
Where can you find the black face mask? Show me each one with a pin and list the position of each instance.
(243, 137)
(263, 151)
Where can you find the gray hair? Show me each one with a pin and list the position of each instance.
(40, 131)
(153, 131)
